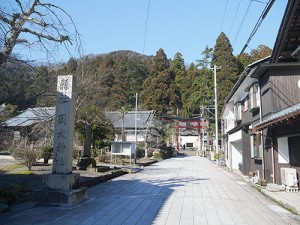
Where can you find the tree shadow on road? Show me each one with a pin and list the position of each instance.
(118, 201)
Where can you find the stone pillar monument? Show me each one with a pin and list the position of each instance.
(62, 185)
(64, 125)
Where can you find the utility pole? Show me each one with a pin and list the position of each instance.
(216, 113)
(135, 126)
(202, 127)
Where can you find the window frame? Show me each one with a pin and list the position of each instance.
(256, 146)
(245, 104)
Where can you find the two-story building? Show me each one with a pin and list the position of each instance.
(239, 112)
(269, 126)
(279, 85)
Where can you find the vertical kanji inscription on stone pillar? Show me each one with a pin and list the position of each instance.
(64, 125)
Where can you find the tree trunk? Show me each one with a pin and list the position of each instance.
(87, 141)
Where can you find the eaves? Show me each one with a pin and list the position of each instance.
(241, 126)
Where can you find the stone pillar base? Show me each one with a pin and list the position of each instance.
(60, 190)
(66, 199)
(63, 182)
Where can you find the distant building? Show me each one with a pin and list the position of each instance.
(124, 125)
(20, 125)
(189, 139)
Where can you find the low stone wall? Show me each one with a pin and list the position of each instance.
(28, 181)
(91, 181)
(31, 182)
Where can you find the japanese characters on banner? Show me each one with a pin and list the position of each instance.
(192, 124)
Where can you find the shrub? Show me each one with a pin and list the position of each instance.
(46, 152)
(157, 155)
(25, 152)
(140, 153)
(166, 152)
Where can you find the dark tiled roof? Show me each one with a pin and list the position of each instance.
(279, 116)
(288, 41)
(144, 118)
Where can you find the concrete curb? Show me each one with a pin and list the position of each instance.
(281, 201)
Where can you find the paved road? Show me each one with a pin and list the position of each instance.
(182, 190)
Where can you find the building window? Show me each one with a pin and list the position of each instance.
(283, 150)
(245, 104)
(256, 146)
(254, 97)
(189, 145)
(238, 111)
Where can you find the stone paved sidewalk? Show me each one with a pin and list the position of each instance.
(182, 190)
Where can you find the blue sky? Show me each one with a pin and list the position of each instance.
(174, 25)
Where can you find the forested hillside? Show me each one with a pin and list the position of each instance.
(110, 81)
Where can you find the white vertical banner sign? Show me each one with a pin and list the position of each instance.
(64, 125)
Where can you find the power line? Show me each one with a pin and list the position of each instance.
(224, 16)
(259, 22)
(236, 11)
(241, 25)
(259, 1)
(146, 27)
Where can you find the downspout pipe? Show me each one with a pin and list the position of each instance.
(263, 142)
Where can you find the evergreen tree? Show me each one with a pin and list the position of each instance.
(159, 89)
(228, 74)
(187, 97)
(199, 89)
(178, 68)
(244, 60)
(105, 82)
(71, 66)
(130, 73)
(206, 85)
(260, 52)
(205, 62)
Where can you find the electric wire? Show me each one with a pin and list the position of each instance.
(223, 16)
(259, 1)
(259, 22)
(242, 23)
(146, 26)
(236, 11)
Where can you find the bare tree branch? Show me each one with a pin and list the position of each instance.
(20, 5)
(60, 39)
(42, 21)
